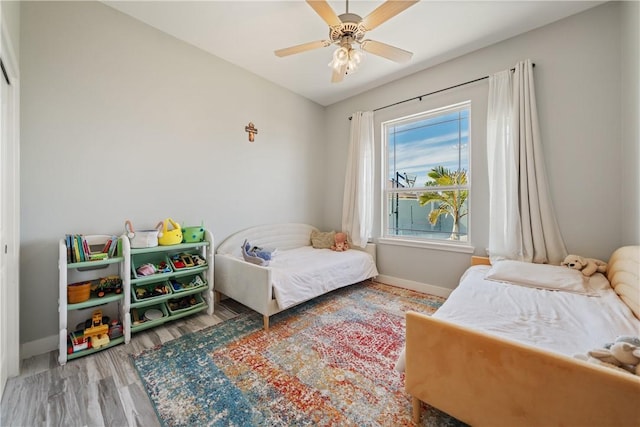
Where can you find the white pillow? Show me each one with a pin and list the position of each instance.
(541, 276)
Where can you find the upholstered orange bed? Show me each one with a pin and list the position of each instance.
(487, 380)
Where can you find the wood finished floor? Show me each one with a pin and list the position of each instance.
(102, 389)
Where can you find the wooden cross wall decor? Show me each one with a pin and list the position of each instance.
(252, 131)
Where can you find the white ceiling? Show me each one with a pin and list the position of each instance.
(246, 33)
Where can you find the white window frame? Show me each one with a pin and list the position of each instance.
(417, 241)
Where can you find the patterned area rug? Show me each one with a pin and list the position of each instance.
(328, 362)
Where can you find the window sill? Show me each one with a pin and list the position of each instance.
(444, 246)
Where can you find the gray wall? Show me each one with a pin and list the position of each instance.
(121, 121)
(579, 61)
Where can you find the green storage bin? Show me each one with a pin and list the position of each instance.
(186, 303)
(139, 321)
(159, 260)
(151, 290)
(187, 283)
(183, 261)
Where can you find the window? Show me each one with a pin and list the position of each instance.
(426, 190)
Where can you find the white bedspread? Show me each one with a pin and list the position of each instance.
(559, 321)
(304, 273)
(562, 322)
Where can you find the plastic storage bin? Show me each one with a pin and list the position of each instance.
(149, 291)
(182, 261)
(159, 261)
(148, 317)
(186, 303)
(187, 283)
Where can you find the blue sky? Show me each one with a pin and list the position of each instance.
(420, 145)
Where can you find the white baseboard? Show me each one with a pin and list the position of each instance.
(38, 347)
(414, 286)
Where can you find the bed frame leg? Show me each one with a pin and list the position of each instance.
(415, 402)
(266, 322)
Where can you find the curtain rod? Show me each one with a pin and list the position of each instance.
(434, 92)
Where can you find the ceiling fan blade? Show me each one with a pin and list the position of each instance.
(386, 11)
(301, 48)
(386, 51)
(323, 9)
(338, 75)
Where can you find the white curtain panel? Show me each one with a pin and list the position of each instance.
(522, 224)
(357, 205)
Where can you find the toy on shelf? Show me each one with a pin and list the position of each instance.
(196, 282)
(106, 285)
(184, 260)
(182, 303)
(149, 269)
(157, 290)
(115, 329)
(77, 341)
(96, 330)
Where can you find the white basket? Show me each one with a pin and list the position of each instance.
(142, 238)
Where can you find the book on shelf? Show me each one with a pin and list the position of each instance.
(98, 256)
(114, 248)
(111, 246)
(79, 239)
(76, 251)
(86, 252)
(105, 249)
(79, 249)
(67, 240)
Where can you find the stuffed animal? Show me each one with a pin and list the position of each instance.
(256, 255)
(341, 243)
(588, 266)
(623, 353)
(625, 338)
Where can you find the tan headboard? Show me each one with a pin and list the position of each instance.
(623, 271)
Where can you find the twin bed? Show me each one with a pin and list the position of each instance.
(499, 353)
(296, 273)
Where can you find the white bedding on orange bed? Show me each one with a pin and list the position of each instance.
(563, 322)
(558, 321)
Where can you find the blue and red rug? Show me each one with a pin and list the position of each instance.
(328, 362)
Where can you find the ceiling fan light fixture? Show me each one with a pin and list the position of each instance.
(346, 56)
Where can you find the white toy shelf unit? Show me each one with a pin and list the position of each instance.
(176, 281)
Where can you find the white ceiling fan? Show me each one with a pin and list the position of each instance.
(348, 30)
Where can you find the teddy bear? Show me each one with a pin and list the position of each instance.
(588, 266)
(341, 243)
(624, 353)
